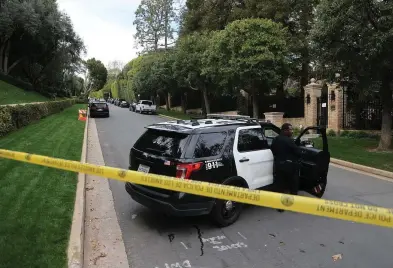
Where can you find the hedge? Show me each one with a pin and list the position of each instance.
(18, 116)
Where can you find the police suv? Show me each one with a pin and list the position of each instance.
(230, 150)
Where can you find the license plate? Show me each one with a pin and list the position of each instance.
(99, 110)
(143, 168)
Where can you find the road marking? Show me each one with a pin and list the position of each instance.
(184, 245)
(245, 238)
(233, 246)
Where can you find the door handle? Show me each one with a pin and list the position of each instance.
(244, 160)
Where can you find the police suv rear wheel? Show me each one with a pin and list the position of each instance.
(227, 212)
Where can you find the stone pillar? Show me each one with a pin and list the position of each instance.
(335, 112)
(277, 118)
(311, 92)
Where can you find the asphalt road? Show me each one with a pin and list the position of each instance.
(261, 238)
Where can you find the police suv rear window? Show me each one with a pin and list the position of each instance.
(164, 143)
(209, 144)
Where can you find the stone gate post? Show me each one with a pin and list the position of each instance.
(335, 112)
(312, 92)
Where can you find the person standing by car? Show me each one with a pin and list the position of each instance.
(286, 161)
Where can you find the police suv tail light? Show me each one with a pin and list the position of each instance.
(183, 171)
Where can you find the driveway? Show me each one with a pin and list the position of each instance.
(261, 238)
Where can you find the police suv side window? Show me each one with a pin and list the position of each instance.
(210, 144)
(251, 140)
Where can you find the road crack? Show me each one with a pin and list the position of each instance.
(200, 238)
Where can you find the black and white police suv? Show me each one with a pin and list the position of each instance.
(230, 150)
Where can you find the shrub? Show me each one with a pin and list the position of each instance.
(18, 116)
(344, 133)
(331, 133)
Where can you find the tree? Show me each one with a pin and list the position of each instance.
(296, 15)
(249, 54)
(188, 65)
(97, 74)
(38, 44)
(162, 70)
(356, 37)
(153, 21)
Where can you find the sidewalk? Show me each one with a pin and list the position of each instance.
(103, 243)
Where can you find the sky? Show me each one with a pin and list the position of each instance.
(106, 27)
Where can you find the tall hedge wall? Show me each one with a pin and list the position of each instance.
(18, 116)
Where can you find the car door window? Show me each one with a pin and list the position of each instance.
(251, 140)
(210, 144)
(270, 132)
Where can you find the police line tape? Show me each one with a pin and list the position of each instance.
(327, 208)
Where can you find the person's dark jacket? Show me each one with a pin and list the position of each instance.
(284, 148)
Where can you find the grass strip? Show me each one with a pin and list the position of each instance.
(37, 202)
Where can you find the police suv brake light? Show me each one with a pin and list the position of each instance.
(183, 171)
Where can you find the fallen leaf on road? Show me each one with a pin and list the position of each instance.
(337, 257)
(90, 188)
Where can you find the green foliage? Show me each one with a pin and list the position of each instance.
(97, 74)
(16, 117)
(38, 45)
(331, 133)
(356, 38)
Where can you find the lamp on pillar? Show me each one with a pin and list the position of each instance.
(308, 99)
(332, 95)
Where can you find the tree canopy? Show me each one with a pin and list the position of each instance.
(38, 45)
(355, 38)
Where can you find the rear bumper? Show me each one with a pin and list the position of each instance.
(178, 209)
(99, 113)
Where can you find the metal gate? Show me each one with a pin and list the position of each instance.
(322, 110)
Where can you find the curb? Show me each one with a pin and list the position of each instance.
(366, 169)
(170, 117)
(77, 234)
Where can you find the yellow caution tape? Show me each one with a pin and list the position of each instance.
(320, 207)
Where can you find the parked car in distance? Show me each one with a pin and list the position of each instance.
(124, 104)
(99, 108)
(145, 106)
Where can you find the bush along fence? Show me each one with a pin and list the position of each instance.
(16, 117)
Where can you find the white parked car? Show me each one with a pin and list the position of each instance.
(145, 106)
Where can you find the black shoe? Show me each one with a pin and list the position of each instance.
(280, 210)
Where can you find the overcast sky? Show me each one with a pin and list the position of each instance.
(105, 26)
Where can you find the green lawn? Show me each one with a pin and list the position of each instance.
(359, 151)
(174, 114)
(37, 202)
(10, 94)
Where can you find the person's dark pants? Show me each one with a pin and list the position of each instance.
(286, 178)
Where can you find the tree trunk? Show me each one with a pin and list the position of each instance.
(255, 106)
(387, 105)
(206, 100)
(305, 71)
(2, 57)
(183, 103)
(6, 56)
(14, 64)
(167, 101)
(166, 27)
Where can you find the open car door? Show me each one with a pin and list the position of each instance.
(314, 164)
